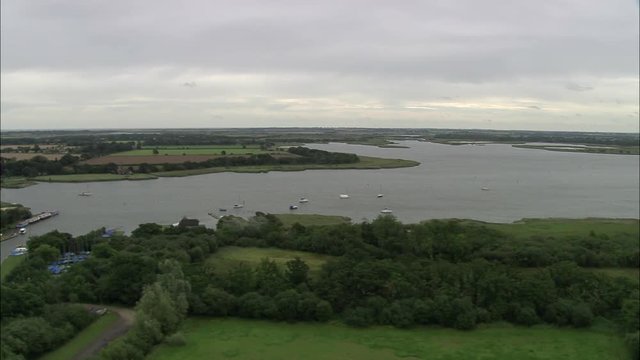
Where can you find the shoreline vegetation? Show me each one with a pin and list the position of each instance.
(365, 163)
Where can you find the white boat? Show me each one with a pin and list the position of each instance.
(22, 231)
(386, 211)
(85, 193)
(293, 207)
(344, 196)
(485, 189)
(303, 200)
(238, 206)
(20, 250)
(380, 195)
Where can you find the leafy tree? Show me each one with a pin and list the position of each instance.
(297, 271)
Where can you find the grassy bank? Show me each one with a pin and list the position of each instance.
(83, 339)
(312, 219)
(229, 256)
(365, 162)
(9, 264)
(592, 149)
(92, 177)
(15, 182)
(246, 339)
(568, 227)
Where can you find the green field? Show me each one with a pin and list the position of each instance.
(229, 256)
(84, 338)
(9, 264)
(263, 340)
(568, 227)
(15, 182)
(312, 219)
(196, 150)
(366, 162)
(93, 177)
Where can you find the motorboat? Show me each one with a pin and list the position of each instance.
(303, 200)
(238, 206)
(293, 207)
(22, 231)
(85, 193)
(380, 195)
(344, 196)
(485, 189)
(386, 211)
(222, 210)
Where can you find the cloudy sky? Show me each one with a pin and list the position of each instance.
(496, 64)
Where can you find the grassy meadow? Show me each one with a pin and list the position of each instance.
(9, 264)
(83, 339)
(263, 340)
(568, 227)
(312, 219)
(229, 256)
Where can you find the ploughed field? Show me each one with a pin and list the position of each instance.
(250, 339)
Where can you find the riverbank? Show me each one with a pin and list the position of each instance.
(585, 148)
(365, 163)
(563, 147)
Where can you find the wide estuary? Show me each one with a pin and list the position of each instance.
(490, 182)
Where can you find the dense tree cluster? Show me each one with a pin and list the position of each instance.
(11, 216)
(449, 273)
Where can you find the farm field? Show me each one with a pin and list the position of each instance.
(249, 339)
(28, 156)
(194, 151)
(92, 177)
(229, 256)
(311, 219)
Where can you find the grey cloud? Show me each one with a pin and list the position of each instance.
(245, 56)
(577, 87)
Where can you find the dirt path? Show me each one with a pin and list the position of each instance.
(118, 328)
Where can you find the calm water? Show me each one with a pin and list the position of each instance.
(447, 184)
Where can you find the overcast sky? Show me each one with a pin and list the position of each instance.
(512, 64)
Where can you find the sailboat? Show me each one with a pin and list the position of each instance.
(85, 193)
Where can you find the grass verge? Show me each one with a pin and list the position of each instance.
(312, 219)
(366, 162)
(93, 177)
(248, 339)
(84, 338)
